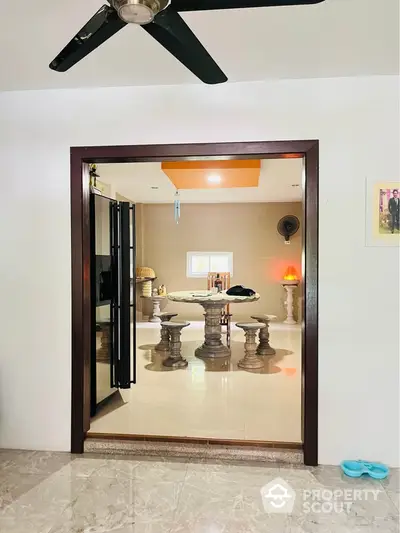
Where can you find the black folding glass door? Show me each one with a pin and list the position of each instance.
(113, 297)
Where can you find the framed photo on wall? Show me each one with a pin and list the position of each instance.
(383, 213)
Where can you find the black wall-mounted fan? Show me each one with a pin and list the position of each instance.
(161, 19)
(288, 226)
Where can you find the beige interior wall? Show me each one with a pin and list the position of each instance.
(260, 255)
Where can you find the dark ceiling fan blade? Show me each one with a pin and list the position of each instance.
(103, 25)
(206, 5)
(172, 32)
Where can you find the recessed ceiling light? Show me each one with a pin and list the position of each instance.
(214, 178)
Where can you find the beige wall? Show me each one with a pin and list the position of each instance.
(248, 230)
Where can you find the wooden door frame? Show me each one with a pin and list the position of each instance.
(80, 262)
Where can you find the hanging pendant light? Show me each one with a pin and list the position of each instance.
(177, 207)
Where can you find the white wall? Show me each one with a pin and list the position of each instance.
(357, 122)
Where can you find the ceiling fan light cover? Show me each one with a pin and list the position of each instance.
(137, 11)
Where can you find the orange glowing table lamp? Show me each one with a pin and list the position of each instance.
(291, 275)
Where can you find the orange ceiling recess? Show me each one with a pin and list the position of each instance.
(213, 174)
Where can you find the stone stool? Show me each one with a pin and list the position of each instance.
(250, 361)
(175, 358)
(103, 353)
(163, 345)
(264, 347)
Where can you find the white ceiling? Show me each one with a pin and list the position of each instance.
(135, 182)
(334, 38)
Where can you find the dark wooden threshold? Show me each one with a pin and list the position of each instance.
(197, 440)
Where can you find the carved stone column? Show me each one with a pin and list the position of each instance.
(289, 287)
(103, 353)
(264, 347)
(250, 361)
(163, 345)
(175, 358)
(212, 346)
(156, 300)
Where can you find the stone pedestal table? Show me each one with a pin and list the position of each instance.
(213, 305)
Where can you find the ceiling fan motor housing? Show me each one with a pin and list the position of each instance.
(139, 11)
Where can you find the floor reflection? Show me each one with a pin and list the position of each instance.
(211, 398)
(220, 364)
(156, 361)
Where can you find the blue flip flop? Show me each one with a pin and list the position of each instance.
(359, 468)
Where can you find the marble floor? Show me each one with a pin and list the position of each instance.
(58, 493)
(210, 399)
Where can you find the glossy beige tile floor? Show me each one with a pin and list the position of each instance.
(59, 493)
(212, 399)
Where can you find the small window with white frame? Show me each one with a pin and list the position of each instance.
(199, 264)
